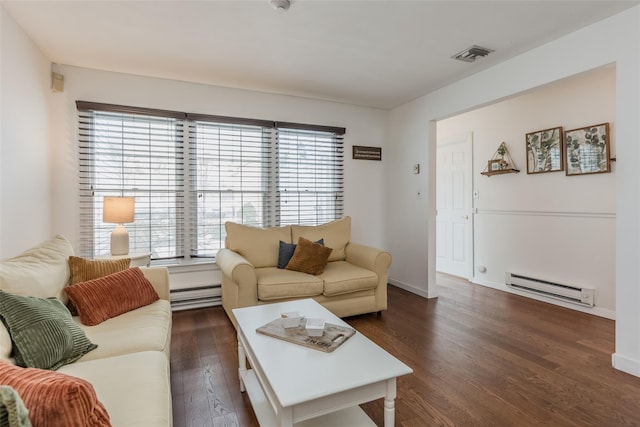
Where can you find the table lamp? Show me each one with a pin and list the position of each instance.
(118, 210)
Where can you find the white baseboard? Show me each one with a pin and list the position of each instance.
(596, 311)
(414, 290)
(626, 364)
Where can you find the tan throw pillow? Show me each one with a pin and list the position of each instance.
(106, 297)
(309, 257)
(83, 269)
(55, 399)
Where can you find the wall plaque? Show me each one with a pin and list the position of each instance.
(367, 153)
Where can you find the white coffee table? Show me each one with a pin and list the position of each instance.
(289, 384)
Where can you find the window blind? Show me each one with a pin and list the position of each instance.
(230, 180)
(309, 174)
(190, 173)
(132, 153)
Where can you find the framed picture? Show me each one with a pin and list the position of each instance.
(544, 150)
(495, 165)
(587, 150)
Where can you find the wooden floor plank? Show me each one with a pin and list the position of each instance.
(481, 357)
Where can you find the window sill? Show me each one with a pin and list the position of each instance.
(187, 265)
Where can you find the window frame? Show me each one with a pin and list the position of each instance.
(189, 234)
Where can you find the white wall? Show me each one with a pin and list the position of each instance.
(364, 201)
(411, 222)
(546, 225)
(25, 205)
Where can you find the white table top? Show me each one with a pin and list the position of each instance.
(299, 374)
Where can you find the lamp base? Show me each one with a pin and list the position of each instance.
(119, 240)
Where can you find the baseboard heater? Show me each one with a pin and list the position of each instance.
(573, 294)
(196, 297)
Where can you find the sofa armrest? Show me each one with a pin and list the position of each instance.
(368, 257)
(159, 278)
(239, 282)
(236, 267)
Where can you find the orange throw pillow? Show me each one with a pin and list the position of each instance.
(309, 257)
(109, 296)
(55, 399)
(83, 269)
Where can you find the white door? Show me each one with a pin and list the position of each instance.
(454, 224)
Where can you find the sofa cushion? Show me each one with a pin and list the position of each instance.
(260, 246)
(83, 269)
(336, 235)
(147, 328)
(100, 299)
(340, 277)
(274, 283)
(42, 331)
(41, 271)
(309, 257)
(134, 388)
(55, 399)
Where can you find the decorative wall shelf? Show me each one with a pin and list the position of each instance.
(500, 163)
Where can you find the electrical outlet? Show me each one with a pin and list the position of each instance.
(475, 194)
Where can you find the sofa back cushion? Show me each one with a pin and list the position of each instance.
(41, 271)
(336, 235)
(260, 246)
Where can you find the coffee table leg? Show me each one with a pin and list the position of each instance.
(242, 364)
(389, 404)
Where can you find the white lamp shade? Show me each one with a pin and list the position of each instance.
(118, 210)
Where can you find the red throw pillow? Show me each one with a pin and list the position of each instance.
(55, 399)
(109, 296)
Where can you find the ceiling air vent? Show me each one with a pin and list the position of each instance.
(472, 53)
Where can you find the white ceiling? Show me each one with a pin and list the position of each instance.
(371, 53)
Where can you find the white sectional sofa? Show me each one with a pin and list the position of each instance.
(129, 370)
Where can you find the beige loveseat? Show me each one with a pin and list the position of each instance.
(129, 370)
(354, 280)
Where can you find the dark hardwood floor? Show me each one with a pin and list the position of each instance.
(480, 357)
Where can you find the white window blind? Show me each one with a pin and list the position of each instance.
(132, 154)
(230, 180)
(310, 175)
(190, 173)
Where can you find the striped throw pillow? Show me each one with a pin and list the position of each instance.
(43, 332)
(83, 269)
(54, 399)
(106, 297)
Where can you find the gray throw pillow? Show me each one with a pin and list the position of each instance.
(42, 331)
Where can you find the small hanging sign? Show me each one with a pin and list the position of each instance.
(367, 153)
